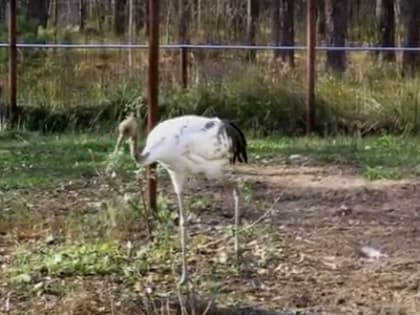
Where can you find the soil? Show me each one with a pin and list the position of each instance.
(346, 245)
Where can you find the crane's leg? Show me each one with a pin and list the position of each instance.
(233, 187)
(182, 230)
(178, 181)
(237, 218)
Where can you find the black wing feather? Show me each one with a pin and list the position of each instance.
(239, 145)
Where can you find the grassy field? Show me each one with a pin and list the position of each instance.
(32, 161)
(73, 240)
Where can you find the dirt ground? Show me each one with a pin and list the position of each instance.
(345, 245)
(329, 214)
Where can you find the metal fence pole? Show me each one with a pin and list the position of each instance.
(12, 61)
(310, 63)
(153, 93)
(184, 67)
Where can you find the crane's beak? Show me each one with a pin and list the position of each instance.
(141, 158)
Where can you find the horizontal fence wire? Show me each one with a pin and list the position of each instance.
(211, 47)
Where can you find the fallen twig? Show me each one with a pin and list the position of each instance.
(244, 229)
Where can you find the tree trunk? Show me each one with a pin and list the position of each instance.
(411, 22)
(100, 8)
(120, 16)
(82, 7)
(386, 27)
(276, 25)
(147, 18)
(140, 15)
(3, 11)
(238, 10)
(166, 7)
(252, 23)
(131, 12)
(55, 14)
(199, 14)
(336, 33)
(37, 11)
(288, 30)
(320, 22)
(184, 20)
(218, 20)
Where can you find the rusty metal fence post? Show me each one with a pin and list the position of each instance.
(153, 94)
(11, 9)
(310, 63)
(184, 67)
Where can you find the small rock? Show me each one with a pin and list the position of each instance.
(296, 157)
(341, 301)
(38, 286)
(222, 257)
(330, 262)
(262, 271)
(371, 253)
(342, 211)
(50, 239)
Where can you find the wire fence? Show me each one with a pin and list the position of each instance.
(215, 47)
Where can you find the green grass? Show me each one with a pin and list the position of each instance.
(375, 157)
(67, 260)
(33, 161)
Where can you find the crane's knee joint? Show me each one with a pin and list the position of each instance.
(182, 222)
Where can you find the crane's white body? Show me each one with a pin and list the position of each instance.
(193, 145)
(190, 145)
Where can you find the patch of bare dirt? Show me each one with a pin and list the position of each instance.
(346, 245)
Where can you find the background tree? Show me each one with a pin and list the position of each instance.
(287, 13)
(120, 16)
(386, 27)
(236, 21)
(252, 25)
(37, 12)
(411, 23)
(336, 33)
(3, 11)
(184, 15)
(82, 10)
(237, 12)
(320, 21)
(276, 24)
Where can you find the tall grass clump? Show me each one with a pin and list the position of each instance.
(258, 105)
(369, 98)
(374, 101)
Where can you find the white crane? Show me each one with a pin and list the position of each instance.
(190, 146)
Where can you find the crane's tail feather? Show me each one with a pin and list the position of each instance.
(239, 145)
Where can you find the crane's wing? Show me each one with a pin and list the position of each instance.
(216, 140)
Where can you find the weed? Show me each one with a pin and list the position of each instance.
(67, 260)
